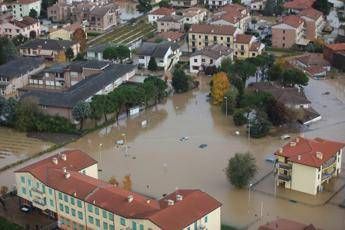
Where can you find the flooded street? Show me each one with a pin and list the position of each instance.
(159, 162)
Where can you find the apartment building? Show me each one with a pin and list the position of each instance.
(183, 3)
(101, 18)
(232, 14)
(246, 46)
(66, 187)
(314, 23)
(202, 35)
(59, 12)
(171, 22)
(194, 15)
(154, 15)
(210, 56)
(213, 4)
(26, 26)
(21, 8)
(305, 165)
(289, 32)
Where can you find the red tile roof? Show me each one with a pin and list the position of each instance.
(243, 38)
(293, 20)
(163, 11)
(231, 13)
(336, 46)
(304, 151)
(255, 46)
(299, 4)
(194, 204)
(25, 22)
(314, 70)
(26, 1)
(311, 13)
(212, 29)
(171, 35)
(285, 224)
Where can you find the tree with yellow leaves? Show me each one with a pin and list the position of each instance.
(127, 182)
(113, 181)
(220, 84)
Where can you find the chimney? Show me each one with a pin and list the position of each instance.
(292, 144)
(297, 139)
(148, 201)
(179, 197)
(280, 150)
(64, 169)
(170, 202)
(67, 175)
(130, 198)
(55, 161)
(319, 155)
(63, 156)
(299, 157)
(94, 202)
(74, 194)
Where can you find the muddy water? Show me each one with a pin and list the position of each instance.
(159, 162)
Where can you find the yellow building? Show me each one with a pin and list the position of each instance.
(65, 187)
(246, 46)
(306, 164)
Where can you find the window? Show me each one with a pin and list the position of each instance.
(111, 227)
(283, 38)
(123, 221)
(23, 190)
(242, 47)
(253, 54)
(111, 216)
(193, 36)
(29, 182)
(60, 196)
(61, 207)
(203, 60)
(50, 191)
(242, 53)
(90, 219)
(228, 39)
(205, 219)
(89, 208)
(96, 211)
(283, 31)
(72, 201)
(65, 197)
(141, 227)
(80, 215)
(134, 226)
(195, 226)
(283, 45)
(195, 60)
(66, 209)
(43, 188)
(211, 61)
(105, 226)
(22, 179)
(104, 214)
(73, 211)
(51, 202)
(97, 222)
(79, 204)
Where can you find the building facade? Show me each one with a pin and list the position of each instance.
(22, 8)
(246, 46)
(154, 15)
(26, 26)
(170, 23)
(66, 186)
(305, 165)
(183, 3)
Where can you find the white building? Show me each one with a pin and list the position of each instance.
(166, 54)
(194, 15)
(159, 13)
(66, 187)
(22, 8)
(210, 56)
(26, 26)
(212, 4)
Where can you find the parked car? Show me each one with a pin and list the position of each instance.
(25, 208)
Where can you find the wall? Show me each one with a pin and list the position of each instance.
(199, 40)
(210, 221)
(304, 178)
(281, 39)
(21, 10)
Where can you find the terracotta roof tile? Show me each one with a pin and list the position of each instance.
(163, 11)
(307, 149)
(299, 4)
(336, 46)
(243, 38)
(293, 20)
(212, 29)
(311, 13)
(232, 13)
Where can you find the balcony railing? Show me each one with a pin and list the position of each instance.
(329, 163)
(284, 166)
(284, 177)
(327, 175)
(39, 202)
(36, 190)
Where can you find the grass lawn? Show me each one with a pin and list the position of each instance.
(4, 224)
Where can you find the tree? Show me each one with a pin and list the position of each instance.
(144, 6)
(8, 50)
(164, 3)
(7, 111)
(32, 34)
(226, 65)
(275, 73)
(152, 64)
(33, 13)
(110, 53)
(276, 112)
(26, 112)
(231, 100)
(241, 169)
(80, 37)
(69, 53)
(113, 181)
(239, 117)
(180, 80)
(99, 107)
(244, 69)
(292, 77)
(81, 111)
(160, 86)
(19, 40)
(122, 52)
(322, 5)
(127, 183)
(220, 84)
(259, 126)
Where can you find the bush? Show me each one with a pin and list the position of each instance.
(259, 126)
(239, 117)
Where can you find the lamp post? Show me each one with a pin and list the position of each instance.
(249, 189)
(226, 106)
(100, 155)
(125, 140)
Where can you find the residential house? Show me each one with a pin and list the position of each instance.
(48, 48)
(209, 56)
(305, 165)
(335, 54)
(183, 3)
(171, 22)
(284, 224)
(154, 15)
(65, 186)
(21, 8)
(257, 5)
(194, 15)
(314, 23)
(232, 14)
(26, 26)
(60, 11)
(15, 74)
(65, 32)
(63, 76)
(289, 32)
(213, 4)
(166, 54)
(62, 102)
(313, 64)
(296, 6)
(96, 52)
(171, 36)
(202, 35)
(246, 46)
(101, 18)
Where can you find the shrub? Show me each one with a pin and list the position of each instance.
(239, 117)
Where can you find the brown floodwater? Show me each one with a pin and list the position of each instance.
(159, 162)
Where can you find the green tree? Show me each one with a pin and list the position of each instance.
(150, 92)
(276, 112)
(292, 77)
(33, 13)
(239, 117)
(7, 111)
(259, 126)
(81, 111)
(226, 65)
(160, 86)
(275, 73)
(98, 107)
(241, 169)
(69, 53)
(26, 112)
(164, 3)
(180, 81)
(152, 64)
(8, 50)
(144, 6)
(231, 100)
(323, 5)
(244, 69)
(110, 53)
(122, 52)
(19, 40)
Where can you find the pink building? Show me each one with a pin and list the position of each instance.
(26, 26)
(288, 33)
(314, 23)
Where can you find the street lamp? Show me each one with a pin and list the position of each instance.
(100, 155)
(249, 188)
(226, 106)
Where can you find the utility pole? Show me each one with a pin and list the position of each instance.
(226, 106)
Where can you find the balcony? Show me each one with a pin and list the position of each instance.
(37, 191)
(329, 163)
(327, 175)
(284, 177)
(39, 203)
(284, 166)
